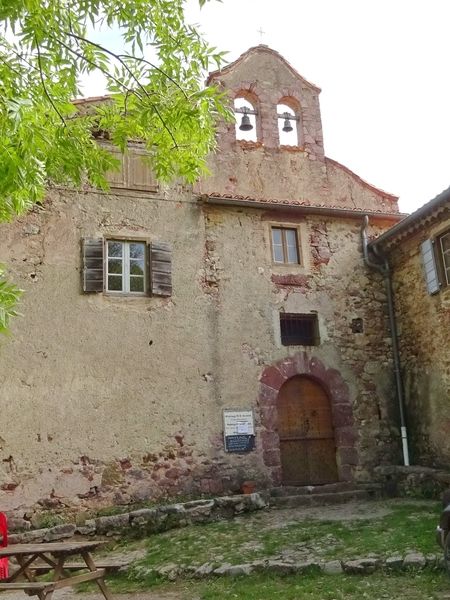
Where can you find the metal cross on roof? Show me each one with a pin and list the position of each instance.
(261, 33)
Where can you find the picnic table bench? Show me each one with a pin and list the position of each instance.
(53, 554)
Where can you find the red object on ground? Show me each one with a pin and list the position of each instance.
(4, 542)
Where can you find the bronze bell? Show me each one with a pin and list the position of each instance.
(245, 123)
(287, 127)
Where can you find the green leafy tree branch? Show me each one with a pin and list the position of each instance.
(155, 95)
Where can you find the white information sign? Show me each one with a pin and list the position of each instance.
(238, 422)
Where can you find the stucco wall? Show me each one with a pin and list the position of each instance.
(117, 399)
(107, 399)
(424, 336)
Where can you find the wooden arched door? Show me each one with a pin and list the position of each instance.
(305, 428)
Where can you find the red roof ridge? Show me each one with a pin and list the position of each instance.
(259, 48)
(366, 184)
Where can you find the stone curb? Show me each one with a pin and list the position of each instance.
(150, 520)
(413, 561)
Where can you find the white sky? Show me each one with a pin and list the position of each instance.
(384, 70)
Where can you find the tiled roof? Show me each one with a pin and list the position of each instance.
(297, 203)
(438, 207)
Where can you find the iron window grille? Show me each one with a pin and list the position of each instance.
(299, 329)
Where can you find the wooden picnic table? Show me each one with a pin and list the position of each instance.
(54, 554)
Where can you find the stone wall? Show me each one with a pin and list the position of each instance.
(424, 334)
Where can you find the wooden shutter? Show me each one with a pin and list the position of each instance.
(429, 265)
(139, 175)
(92, 265)
(161, 269)
(116, 179)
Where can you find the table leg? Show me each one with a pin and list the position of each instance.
(57, 575)
(29, 575)
(100, 582)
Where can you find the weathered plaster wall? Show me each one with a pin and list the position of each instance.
(99, 391)
(107, 399)
(120, 399)
(424, 335)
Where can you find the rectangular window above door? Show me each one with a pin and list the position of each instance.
(285, 247)
(299, 329)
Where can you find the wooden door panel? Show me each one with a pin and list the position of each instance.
(322, 461)
(294, 463)
(305, 428)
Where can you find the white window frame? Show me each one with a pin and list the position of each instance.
(126, 276)
(285, 261)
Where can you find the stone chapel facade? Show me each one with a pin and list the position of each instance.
(151, 309)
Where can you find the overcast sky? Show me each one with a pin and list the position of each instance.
(383, 67)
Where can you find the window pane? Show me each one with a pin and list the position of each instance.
(115, 283)
(137, 267)
(114, 266)
(278, 254)
(136, 284)
(276, 236)
(115, 249)
(291, 245)
(137, 250)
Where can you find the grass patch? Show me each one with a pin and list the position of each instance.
(373, 587)
(415, 586)
(408, 526)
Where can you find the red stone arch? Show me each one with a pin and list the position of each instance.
(273, 377)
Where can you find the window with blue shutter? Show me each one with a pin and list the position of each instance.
(430, 267)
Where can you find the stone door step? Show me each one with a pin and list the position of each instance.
(301, 490)
(321, 499)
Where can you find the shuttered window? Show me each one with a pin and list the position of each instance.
(127, 267)
(134, 173)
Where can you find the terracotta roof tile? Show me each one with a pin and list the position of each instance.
(304, 203)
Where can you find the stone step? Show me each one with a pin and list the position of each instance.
(296, 501)
(301, 490)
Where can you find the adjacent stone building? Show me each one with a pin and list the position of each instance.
(418, 250)
(158, 318)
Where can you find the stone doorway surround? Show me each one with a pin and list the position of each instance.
(271, 380)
